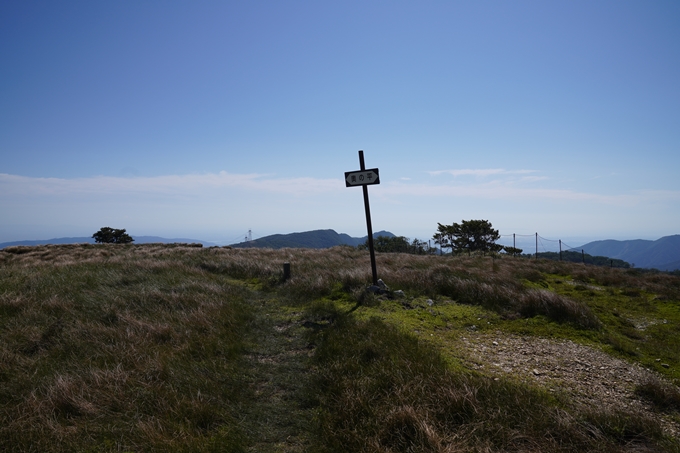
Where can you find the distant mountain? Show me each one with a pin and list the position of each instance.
(662, 254)
(89, 240)
(578, 257)
(49, 241)
(317, 239)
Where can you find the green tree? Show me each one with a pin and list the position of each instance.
(512, 250)
(390, 244)
(468, 236)
(108, 235)
(443, 236)
(397, 244)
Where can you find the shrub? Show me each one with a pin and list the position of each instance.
(107, 235)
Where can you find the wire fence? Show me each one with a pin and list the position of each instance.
(528, 243)
(535, 243)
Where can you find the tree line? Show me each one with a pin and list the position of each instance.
(466, 237)
(398, 244)
(479, 237)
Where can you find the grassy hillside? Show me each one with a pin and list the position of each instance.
(175, 348)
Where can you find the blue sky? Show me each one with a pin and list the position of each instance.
(206, 119)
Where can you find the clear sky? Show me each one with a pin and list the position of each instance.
(205, 119)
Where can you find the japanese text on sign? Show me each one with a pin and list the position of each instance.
(362, 178)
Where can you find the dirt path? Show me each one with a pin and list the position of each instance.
(590, 376)
(277, 364)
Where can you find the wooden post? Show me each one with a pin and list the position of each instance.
(369, 227)
(560, 249)
(536, 245)
(286, 271)
(363, 178)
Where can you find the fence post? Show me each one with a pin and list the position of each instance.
(536, 245)
(286, 271)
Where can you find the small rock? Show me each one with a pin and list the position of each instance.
(536, 372)
(399, 293)
(665, 365)
(429, 302)
(495, 343)
(382, 284)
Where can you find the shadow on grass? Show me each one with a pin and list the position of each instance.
(378, 389)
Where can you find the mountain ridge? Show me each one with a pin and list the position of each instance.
(307, 239)
(662, 254)
(315, 239)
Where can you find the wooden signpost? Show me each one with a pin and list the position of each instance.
(365, 178)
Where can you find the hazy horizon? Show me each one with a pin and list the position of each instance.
(527, 242)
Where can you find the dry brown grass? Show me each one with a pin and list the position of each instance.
(117, 347)
(662, 394)
(139, 347)
(476, 280)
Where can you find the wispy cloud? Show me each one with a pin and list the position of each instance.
(498, 190)
(480, 172)
(216, 202)
(14, 185)
(220, 201)
(661, 195)
(533, 178)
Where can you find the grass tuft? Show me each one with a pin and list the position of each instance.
(558, 308)
(663, 395)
